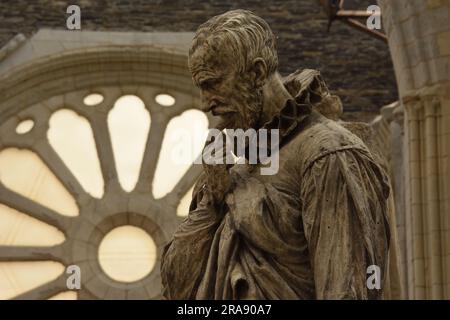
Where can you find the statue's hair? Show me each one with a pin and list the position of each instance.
(243, 35)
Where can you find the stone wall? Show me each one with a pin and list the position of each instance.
(357, 67)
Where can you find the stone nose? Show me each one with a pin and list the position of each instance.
(207, 102)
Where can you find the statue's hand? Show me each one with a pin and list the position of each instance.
(218, 179)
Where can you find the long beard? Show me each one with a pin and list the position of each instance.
(248, 103)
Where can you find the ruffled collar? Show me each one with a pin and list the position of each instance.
(307, 89)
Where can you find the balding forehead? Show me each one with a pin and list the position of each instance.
(205, 59)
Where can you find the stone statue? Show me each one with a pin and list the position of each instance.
(310, 231)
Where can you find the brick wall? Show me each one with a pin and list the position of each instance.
(356, 66)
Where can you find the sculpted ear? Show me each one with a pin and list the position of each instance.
(259, 71)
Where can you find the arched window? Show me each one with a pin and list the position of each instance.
(96, 152)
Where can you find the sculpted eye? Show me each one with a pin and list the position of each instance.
(209, 83)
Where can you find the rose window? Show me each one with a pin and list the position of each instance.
(93, 179)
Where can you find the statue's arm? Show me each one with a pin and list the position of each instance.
(344, 196)
(185, 257)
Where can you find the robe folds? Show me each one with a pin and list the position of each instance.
(289, 236)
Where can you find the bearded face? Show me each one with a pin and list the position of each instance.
(225, 92)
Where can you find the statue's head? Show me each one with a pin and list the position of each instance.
(231, 58)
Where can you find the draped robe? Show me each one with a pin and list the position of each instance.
(308, 232)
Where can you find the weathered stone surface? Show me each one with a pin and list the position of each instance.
(419, 39)
(311, 229)
(356, 67)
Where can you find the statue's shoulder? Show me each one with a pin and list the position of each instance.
(322, 136)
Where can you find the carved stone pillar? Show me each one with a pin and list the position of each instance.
(419, 41)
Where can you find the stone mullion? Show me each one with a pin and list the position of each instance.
(31, 253)
(58, 167)
(34, 209)
(46, 290)
(151, 154)
(105, 153)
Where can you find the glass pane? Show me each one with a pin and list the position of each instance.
(71, 136)
(19, 277)
(127, 254)
(66, 295)
(93, 99)
(183, 141)
(183, 207)
(165, 100)
(17, 228)
(129, 124)
(25, 173)
(25, 126)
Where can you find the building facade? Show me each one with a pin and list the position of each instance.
(90, 119)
